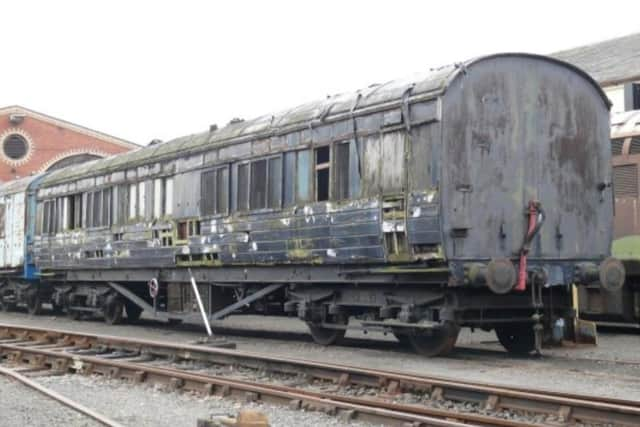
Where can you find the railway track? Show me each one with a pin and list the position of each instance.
(386, 397)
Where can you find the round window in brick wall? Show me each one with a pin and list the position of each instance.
(15, 146)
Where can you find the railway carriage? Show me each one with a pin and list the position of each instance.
(621, 306)
(473, 195)
(18, 272)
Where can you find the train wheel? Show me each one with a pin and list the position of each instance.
(34, 302)
(56, 308)
(6, 306)
(113, 309)
(69, 301)
(402, 338)
(328, 336)
(133, 312)
(435, 342)
(517, 338)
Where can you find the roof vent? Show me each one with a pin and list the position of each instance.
(236, 120)
(213, 128)
(16, 119)
(155, 141)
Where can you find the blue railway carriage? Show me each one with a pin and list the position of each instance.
(472, 195)
(19, 277)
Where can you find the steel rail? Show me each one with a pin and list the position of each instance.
(60, 398)
(566, 405)
(347, 407)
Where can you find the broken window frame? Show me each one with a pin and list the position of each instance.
(319, 169)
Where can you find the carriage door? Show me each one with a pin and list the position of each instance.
(393, 182)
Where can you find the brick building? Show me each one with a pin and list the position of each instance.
(32, 142)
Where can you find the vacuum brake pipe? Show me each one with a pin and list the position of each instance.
(536, 219)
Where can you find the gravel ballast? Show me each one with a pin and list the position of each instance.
(610, 369)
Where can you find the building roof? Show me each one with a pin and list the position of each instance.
(609, 62)
(17, 109)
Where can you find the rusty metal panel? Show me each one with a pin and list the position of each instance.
(519, 129)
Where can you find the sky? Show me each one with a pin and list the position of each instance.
(158, 70)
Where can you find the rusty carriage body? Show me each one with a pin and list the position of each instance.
(473, 195)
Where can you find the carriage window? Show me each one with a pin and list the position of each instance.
(289, 186)
(323, 171)
(157, 197)
(97, 207)
(106, 207)
(74, 212)
(168, 196)
(342, 171)
(258, 197)
(2, 215)
(275, 182)
(88, 214)
(45, 218)
(142, 198)
(243, 187)
(122, 198)
(222, 190)
(303, 175)
(207, 189)
(133, 201)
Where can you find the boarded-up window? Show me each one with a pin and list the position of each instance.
(371, 165)
(258, 196)
(289, 185)
(275, 182)
(625, 180)
(303, 188)
(341, 188)
(207, 189)
(392, 162)
(222, 190)
(243, 187)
